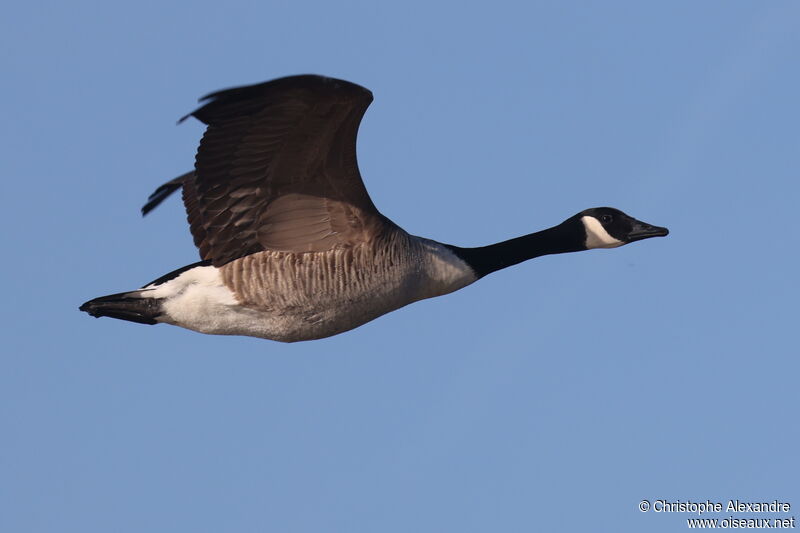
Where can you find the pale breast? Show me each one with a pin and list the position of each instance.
(303, 296)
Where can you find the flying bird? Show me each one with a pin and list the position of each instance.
(291, 246)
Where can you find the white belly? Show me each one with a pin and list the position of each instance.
(295, 297)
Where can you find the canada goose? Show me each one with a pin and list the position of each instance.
(292, 247)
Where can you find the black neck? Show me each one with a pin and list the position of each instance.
(566, 237)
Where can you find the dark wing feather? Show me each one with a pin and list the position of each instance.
(276, 170)
(161, 194)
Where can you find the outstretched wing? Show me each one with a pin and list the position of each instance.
(164, 191)
(276, 170)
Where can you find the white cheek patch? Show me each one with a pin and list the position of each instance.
(597, 236)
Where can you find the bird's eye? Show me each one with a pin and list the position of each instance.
(606, 219)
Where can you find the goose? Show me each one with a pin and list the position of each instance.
(291, 246)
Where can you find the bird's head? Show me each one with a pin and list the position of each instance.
(606, 227)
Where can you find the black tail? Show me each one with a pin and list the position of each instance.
(125, 306)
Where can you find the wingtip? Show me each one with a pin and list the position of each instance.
(163, 191)
(152, 201)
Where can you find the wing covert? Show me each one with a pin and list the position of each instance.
(276, 170)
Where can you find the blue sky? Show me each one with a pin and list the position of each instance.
(553, 396)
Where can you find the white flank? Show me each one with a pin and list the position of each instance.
(197, 299)
(597, 236)
(282, 310)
